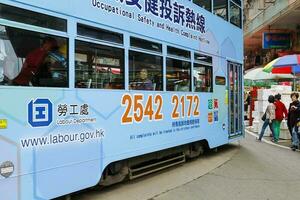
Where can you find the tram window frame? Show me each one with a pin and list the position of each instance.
(207, 88)
(99, 34)
(145, 44)
(153, 83)
(105, 81)
(238, 2)
(184, 82)
(233, 17)
(173, 51)
(25, 16)
(223, 2)
(202, 58)
(203, 4)
(42, 62)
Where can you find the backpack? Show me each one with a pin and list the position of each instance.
(264, 117)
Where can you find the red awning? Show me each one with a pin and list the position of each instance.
(282, 70)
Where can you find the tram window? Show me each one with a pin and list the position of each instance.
(235, 15)
(144, 44)
(32, 59)
(145, 71)
(220, 8)
(220, 80)
(178, 75)
(32, 18)
(238, 2)
(98, 66)
(178, 52)
(206, 4)
(203, 58)
(202, 78)
(100, 34)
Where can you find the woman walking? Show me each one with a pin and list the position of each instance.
(270, 116)
(280, 114)
(294, 119)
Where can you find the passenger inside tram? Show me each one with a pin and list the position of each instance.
(142, 82)
(34, 65)
(184, 83)
(32, 59)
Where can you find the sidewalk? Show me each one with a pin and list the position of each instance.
(281, 142)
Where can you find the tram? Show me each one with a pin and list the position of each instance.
(95, 92)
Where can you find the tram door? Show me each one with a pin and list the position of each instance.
(235, 94)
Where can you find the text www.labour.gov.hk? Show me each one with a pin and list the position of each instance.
(62, 139)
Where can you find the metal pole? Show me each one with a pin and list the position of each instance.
(294, 82)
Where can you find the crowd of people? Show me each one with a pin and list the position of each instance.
(276, 112)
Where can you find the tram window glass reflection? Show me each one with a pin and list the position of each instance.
(98, 66)
(145, 71)
(238, 2)
(178, 75)
(32, 59)
(145, 44)
(99, 34)
(220, 8)
(206, 4)
(178, 52)
(235, 14)
(202, 78)
(32, 18)
(220, 80)
(203, 58)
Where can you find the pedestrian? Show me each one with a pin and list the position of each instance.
(246, 104)
(294, 119)
(269, 117)
(280, 114)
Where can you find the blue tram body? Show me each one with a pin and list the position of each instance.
(59, 134)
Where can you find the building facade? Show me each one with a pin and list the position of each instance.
(271, 29)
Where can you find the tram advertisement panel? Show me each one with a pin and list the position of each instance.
(169, 20)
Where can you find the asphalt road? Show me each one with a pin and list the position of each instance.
(258, 171)
(251, 170)
(158, 183)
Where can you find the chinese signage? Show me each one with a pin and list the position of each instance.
(213, 114)
(40, 113)
(69, 114)
(276, 40)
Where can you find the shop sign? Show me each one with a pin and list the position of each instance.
(276, 41)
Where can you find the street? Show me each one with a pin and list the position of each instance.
(158, 183)
(257, 171)
(251, 170)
